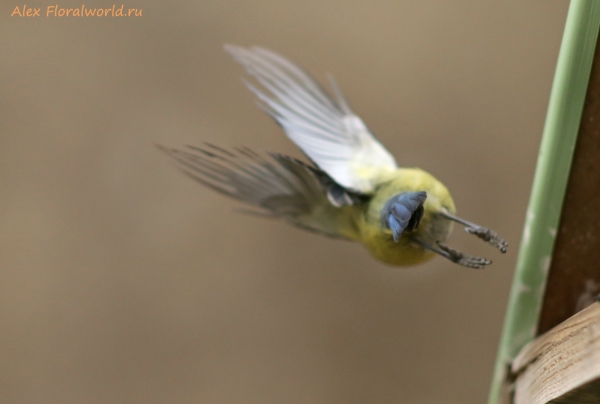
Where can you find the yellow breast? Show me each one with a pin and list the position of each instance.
(378, 238)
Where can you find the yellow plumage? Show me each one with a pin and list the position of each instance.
(432, 228)
(354, 190)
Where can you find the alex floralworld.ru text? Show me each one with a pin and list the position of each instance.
(56, 11)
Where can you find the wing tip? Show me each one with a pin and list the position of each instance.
(167, 150)
(232, 49)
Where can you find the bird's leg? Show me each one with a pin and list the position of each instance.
(456, 256)
(483, 233)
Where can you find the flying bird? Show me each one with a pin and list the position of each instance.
(352, 188)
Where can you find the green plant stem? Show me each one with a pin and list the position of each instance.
(549, 185)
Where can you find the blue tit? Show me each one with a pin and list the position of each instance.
(352, 188)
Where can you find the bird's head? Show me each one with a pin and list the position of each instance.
(403, 212)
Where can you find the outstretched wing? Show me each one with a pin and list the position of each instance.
(281, 186)
(330, 134)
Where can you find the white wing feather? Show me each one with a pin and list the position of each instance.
(330, 134)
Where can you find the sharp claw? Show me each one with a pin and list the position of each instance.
(466, 260)
(489, 236)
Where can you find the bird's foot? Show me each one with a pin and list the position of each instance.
(483, 233)
(488, 236)
(462, 258)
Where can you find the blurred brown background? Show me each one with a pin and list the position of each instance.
(122, 281)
